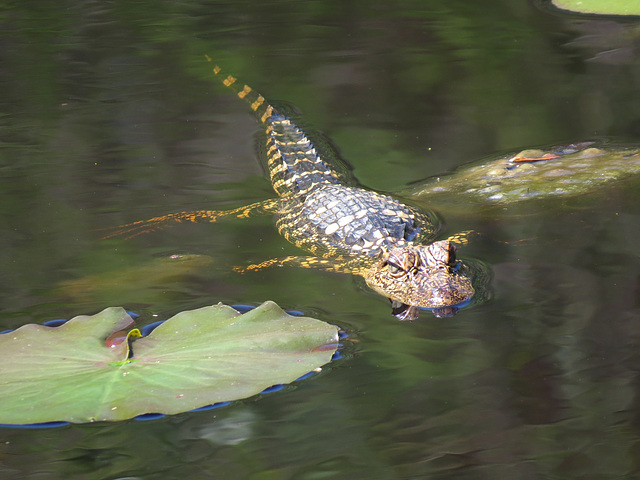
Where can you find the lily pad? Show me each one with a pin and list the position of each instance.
(196, 358)
(602, 7)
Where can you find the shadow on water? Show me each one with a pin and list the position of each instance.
(110, 116)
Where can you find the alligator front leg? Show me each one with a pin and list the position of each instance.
(141, 227)
(337, 264)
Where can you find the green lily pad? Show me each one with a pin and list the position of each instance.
(196, 358)
(602, 7)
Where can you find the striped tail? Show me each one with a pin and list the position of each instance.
(294, 165)
(257, 102)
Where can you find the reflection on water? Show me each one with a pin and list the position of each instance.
(110, 116)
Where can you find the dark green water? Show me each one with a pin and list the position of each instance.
(109, 115)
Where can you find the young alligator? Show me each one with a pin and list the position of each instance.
(346, 228)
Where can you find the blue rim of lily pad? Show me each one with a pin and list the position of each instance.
(146, 330)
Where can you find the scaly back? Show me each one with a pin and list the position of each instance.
(294, 165)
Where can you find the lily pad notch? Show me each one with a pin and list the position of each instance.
(195, 359)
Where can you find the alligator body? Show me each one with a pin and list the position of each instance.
(345, 227)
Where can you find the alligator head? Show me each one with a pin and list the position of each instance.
(420, 276)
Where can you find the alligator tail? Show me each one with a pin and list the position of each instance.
(294, 165)
(257, 102)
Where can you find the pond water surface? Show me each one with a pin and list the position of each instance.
(110, 115)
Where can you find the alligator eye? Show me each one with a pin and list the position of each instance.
(394, 270)
(413, 260)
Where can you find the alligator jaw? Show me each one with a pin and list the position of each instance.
(405, 312)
